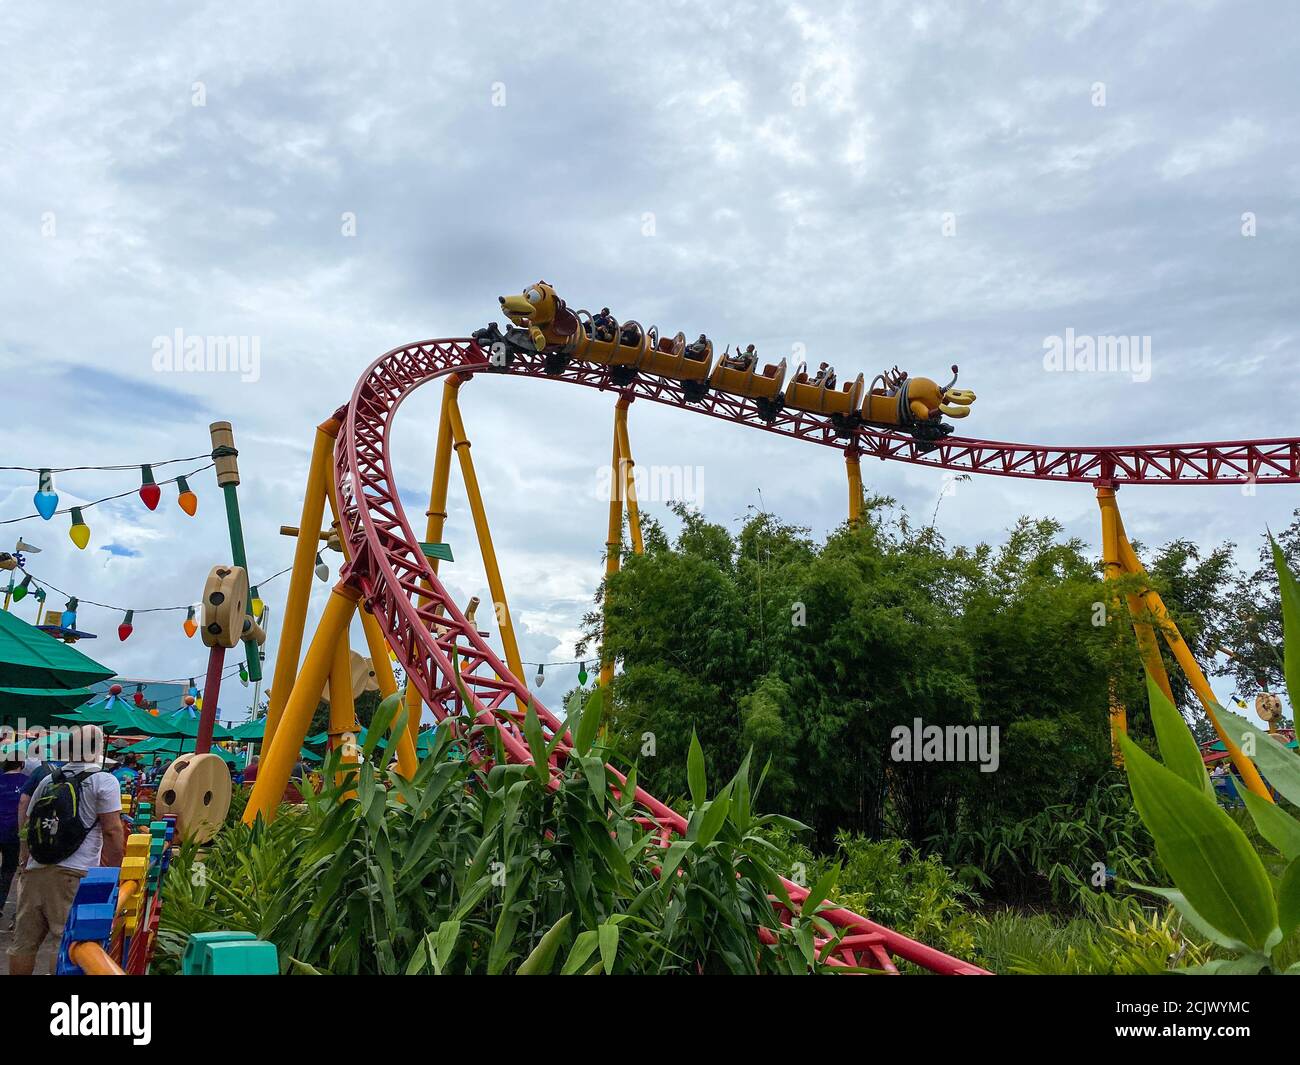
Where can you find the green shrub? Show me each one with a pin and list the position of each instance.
(1063, 856)
(1039, 944)
(465, 870)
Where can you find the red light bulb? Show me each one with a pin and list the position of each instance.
(126, 628)
(149, 490)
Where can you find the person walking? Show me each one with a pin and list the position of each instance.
(73, 823)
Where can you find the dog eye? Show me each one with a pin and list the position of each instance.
(533, 296)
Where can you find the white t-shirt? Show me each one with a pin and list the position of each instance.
(100, 794)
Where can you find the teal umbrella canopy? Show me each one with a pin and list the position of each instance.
(40, 706)
(30, 658)
(249, 730)
(175, 746)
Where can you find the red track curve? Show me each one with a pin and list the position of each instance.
(389, 568)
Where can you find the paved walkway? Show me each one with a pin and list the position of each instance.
(45, 960)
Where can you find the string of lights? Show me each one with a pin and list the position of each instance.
(46, 500)
(127, 466)
(135, 609)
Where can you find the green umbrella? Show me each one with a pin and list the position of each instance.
(30, 658)
(249, 730)
(40, 706)
(175, 746)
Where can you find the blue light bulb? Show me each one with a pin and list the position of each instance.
(46, 498)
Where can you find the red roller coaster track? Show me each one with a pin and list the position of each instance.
(392, 572)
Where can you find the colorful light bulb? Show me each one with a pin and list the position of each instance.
(46, 498)
(582, 673)
(187, 499)
(322, 570)
(540, 679)
(70, 613)
(139, 695)
(255, 603)
(80, 531)
(149, 490)
(20, 593)
(190, 626)
(126, 628)
(243, 674)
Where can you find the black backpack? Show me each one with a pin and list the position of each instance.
(54, 826)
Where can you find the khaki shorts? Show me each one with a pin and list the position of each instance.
(43, 905)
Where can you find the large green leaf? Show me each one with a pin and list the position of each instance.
(1290, 622)
(589, 724)
(1279, 766)
(695, 776)
(1208, 856)
(1288, 899)
(1178, 746)
(1180, 903)
(1274, 824)
(539, 962)
(536, 744)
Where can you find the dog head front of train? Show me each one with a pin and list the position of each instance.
(928, 399)
(536, 306)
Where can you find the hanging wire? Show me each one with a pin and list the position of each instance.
(139, 610)
(76, 469)
(106, 499)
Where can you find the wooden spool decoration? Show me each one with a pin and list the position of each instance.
(196, 790)
(224, 597)
(363, 676)
(1268, 706)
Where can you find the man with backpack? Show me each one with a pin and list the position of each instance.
(73, 823)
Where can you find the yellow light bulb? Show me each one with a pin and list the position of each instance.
(80, 531)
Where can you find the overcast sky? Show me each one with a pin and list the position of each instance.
(907, 183)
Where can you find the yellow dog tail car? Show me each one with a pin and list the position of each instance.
(917, 404)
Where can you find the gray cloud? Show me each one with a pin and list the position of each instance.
(797, 162)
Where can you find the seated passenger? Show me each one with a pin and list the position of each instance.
(604, 323)
(747, 358)
(630, 336)
(699, 349)
(820, 376)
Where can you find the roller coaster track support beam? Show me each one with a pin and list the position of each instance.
(300, 577)
(343, 711)
(380, 664)
(626, 478)
(621, 485)
(460, 442)
(1149, 599)
(853, 468)
(279, 757)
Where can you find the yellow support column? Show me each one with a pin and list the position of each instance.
(343, 711)
(406, 758)
(304, 565)
(613, 540)
(1183, 656)
(279, 756)
(624, 473)
(435, 520)
(495, 585)
(853, 467)
(1112, 569)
